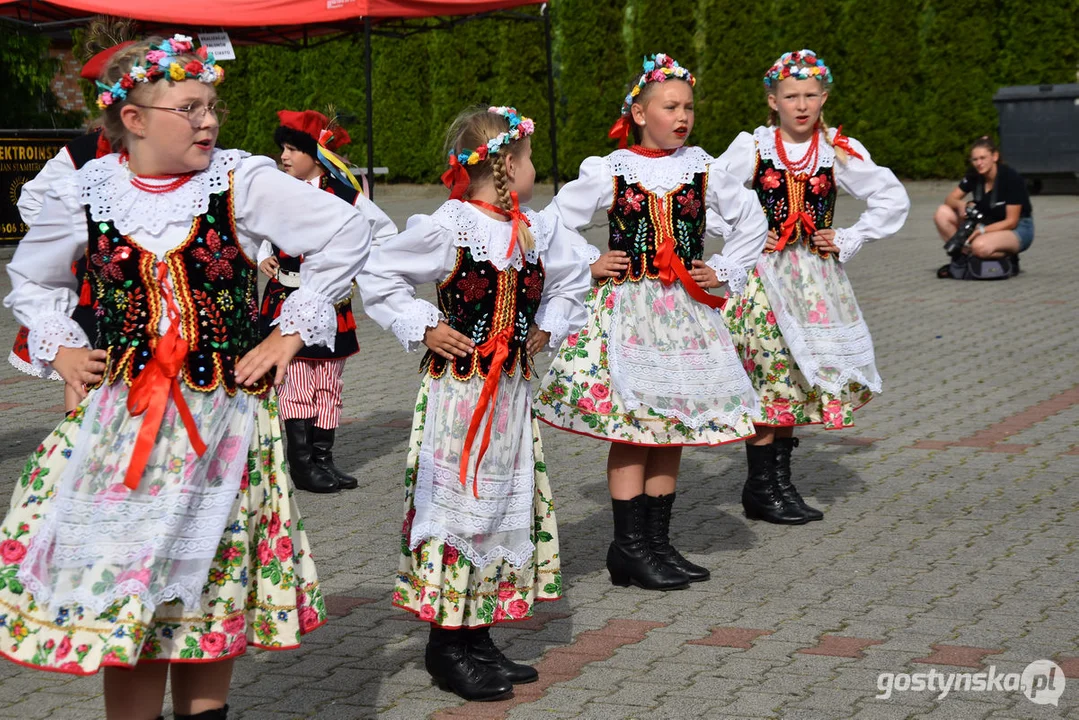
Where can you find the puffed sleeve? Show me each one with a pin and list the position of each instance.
(43, 288)
(423, 253)
(562, 308)
(32, 196)
(580, 199)
(739, 158)
(333, 237)
(384, 228)
(745, 227)
(886, 200)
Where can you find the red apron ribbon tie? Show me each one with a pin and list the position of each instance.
(842, 142)
(672, 268)
(456, 179)
(499, 349)
(790, 223)
(152, 388)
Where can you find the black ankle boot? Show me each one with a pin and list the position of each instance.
(216, 714)
(629, 559)
(657, 529)
(305, 474)
(322, 455)
(483, 650)
(449, 663)
(760, 496)
(790, 495)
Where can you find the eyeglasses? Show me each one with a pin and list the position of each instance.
(196, 112)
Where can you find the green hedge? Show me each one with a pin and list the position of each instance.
(914, 80)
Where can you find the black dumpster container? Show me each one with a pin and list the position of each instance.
(1039, 130)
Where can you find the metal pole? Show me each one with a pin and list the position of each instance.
(370, 109)
(546, 10)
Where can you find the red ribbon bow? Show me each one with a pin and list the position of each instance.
(155, 384)
(497, 346)
(620, 131)
(789, 224)
(672, 268)
(842, 142)
(515, 215)
(456, 179)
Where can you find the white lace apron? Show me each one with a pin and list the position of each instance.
(497, 524)
(819, 317)
(673, 354)
(102, 542)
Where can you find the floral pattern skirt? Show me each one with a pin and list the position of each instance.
(438, 584)
(577, 393)
(262, 589)
(787, 398)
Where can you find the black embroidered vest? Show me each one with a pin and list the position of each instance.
(780, 194)
(214, 284)
(478, 302)
(637, 217)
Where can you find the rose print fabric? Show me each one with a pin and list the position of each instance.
(577, 393)
(787, 397)
(441, 585)
(261, 590)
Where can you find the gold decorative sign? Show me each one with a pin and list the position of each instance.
(22, 155)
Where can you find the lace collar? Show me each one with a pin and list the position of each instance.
(488, 238)
(661, 173)
(105, 187)
(765, 138)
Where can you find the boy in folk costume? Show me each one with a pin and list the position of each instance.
(798, 326)
(310, 397)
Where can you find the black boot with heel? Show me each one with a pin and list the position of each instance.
(220, 713)
(484, 651)
(305, 474)
(454, 670)
(657, 528)
(760, 496)
(630, 560)
(322, 440)
(791, 497)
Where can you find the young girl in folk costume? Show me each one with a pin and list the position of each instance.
(154, 528)
(58, 170)
(655, 368)
(310, 397)
(479, 542)
(798, 326)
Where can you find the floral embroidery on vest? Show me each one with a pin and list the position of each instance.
(214, 283)
(781, 194)
(637, 217)
(479, 301)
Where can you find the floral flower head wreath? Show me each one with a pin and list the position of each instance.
(456, 178)
(656, 68)
(163, 61)
(800, 65)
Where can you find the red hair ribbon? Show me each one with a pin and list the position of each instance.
(155, 384)
(620, 131)
(515, 215)
(789, 224)
(672, 268)
(456, 179)
(498, 348)
(842, 142)
(104, 147)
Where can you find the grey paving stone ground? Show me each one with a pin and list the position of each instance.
(954, 546)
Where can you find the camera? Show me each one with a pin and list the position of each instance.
(954, 246)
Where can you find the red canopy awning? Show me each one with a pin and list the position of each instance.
(247, 13)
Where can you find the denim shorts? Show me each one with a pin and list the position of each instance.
(1025, 232)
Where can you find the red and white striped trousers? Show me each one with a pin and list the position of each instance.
(312, 389)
